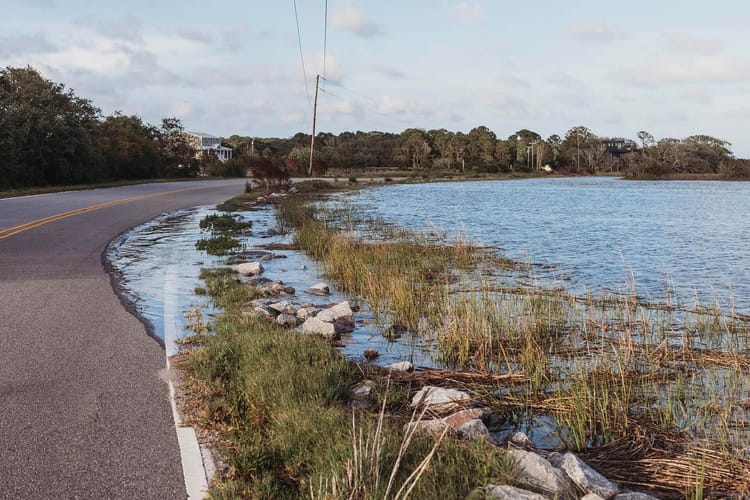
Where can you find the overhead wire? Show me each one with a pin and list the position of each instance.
(301, 54)
(325, 37)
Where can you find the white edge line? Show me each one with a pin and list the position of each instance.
(193, 468)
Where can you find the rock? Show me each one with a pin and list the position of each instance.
(474, 429)
(266, 257)
(341, 314)
(249, 268)
(314, 326)
(587, 478)
(363, 390)
(633, 495)
(434, 427)
(288, 320)
(439, 398)
(276, 289)
(284, 307)
(591, 496)
(522, 441)
(504, 492)
(403, 366)
(264, 310)
(465, 416)
(307, 312)
(361, 395)
(292, 190)
(538, 475)
(395, 331)
(370, 354)
(260, 199)
(319, 289)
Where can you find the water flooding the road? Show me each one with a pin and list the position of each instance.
(158, 266)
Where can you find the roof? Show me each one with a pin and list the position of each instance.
(203, 134)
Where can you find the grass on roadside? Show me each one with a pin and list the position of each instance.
(278, 401)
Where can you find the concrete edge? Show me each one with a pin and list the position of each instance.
(195, 469)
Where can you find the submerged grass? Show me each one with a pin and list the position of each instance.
(601, 367)
(277, 401)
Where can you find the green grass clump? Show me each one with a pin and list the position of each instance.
(217, 245)
(278, 401)
(312, 186)
(224, 223)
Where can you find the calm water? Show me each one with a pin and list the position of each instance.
(694, 235)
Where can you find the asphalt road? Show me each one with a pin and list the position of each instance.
(84, 409)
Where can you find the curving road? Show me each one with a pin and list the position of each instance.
(84, 412)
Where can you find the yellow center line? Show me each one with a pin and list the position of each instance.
(26, 226)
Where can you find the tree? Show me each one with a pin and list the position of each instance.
(481, 146)
(578, 140)
(415, 146)
(129, 148)
(47, 133)
(177, 153)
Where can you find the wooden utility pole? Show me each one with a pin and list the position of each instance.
(315, 114)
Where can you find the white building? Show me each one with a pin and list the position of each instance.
(205, 143)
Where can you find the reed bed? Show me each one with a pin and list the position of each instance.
(599, 365)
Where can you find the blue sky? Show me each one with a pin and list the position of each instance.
(673, 68)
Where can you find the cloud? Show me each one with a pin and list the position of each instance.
(236, 38)
(684, 43)
(397, 105)
(468, 11)
(505, 103)
(354, 20)
(196, 36)
(390, 72)
(21, 45)
(682, 71)
(610, 117)
(594, 32)
(697, 95)
(126, 28)
(208, 76)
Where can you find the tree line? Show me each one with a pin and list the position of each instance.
(578, 151)
(50, 136)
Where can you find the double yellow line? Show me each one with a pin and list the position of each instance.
(12, 231)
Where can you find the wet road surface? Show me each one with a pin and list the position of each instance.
(84, 410)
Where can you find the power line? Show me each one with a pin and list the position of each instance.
(325, 38)
(301, 55)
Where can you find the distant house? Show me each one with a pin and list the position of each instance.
(206, 143)
(617, 146)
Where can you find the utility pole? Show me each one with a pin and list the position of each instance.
(252, 147)
(315, 113)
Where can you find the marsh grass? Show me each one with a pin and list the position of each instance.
(223, 244)
(600, 366)
(224, 223)
(277, 402)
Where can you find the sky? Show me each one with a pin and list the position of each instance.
(672, 68)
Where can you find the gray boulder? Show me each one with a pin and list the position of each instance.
(264, 310)
(591, 496)
(314, 326)
(249, 268)
(319, 289)
(439, 398)
(341, 314)
(504, 492)
(474, 429)
(633, 495)
(540, 476)
(402, 366)
(587, 478)
(307, 312)
(287, 320)
(284, 307)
